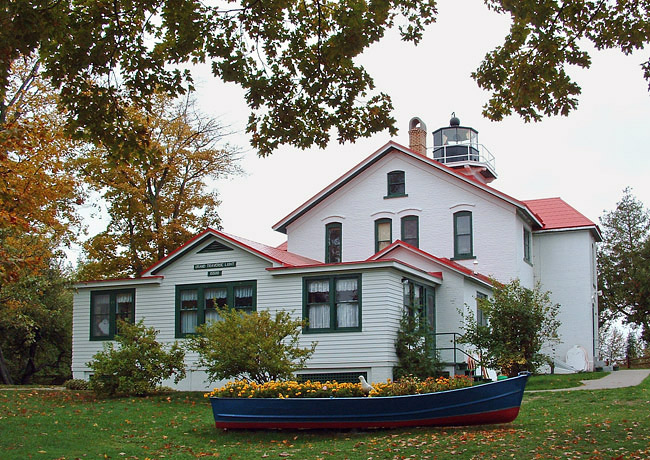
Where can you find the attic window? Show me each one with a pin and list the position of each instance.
(215, 246)
(396, 184)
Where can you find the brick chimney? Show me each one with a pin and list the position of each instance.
(418, 136)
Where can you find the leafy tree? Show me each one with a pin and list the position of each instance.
(137, 365)
(38, 193)
(611, 343)
(527, 73)
(520, 321)
(295, 59)
(36, 324)
(254, 346)
(415, 348)
(624, 264)
(160, 198)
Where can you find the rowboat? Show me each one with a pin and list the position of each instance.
(488, 403)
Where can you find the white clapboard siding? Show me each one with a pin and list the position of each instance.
(560, 261)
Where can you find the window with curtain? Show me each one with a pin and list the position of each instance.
(463, 245)
(410, 230)
(396, 184)
(383, 234)
(189, 310)
(215, 298)
(332, 304)
(197, 304)
(333, 243)
(106, 307)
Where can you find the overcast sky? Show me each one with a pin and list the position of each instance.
(587, 158)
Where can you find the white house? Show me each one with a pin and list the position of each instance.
(405, 226)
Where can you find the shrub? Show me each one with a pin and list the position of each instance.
(138, 365)
(76, 384)
(415, 348)
(520, 321)
(252, 346)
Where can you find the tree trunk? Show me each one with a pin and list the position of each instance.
(4, 372)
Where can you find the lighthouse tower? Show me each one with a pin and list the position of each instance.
(457, 147)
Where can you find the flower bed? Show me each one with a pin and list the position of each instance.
(309, 389)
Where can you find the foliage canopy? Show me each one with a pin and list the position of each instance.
(253, 346)
(295, 59)
(520, 321)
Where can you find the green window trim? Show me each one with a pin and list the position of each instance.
(463, 235)
(411, 230)
(527, 246)
(395, 184)
(194, 304)
(333, 243)
(333, 302)
(106, 306)
(381, 225)
(420, 299)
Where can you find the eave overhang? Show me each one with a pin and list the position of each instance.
(433, 277)
(121, 282)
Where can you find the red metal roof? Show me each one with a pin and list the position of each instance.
(441, 260)
(279, 253)
(556, 213)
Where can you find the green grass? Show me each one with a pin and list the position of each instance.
(66, 425)
(555, 381)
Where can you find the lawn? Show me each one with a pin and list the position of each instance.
(602, 424)
(554, 381)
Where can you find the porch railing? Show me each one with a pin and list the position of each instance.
(450, 352)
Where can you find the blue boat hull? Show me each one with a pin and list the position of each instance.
(496, 402)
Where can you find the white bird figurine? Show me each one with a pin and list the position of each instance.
(365, 386)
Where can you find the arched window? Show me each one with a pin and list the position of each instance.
(396, 184)
(383, 233)
(410, 230)
(333, 243)
(463, 245)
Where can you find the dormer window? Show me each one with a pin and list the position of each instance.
(396, 184)
(333, 243)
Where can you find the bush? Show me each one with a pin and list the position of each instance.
(138, 365)
(252, 346)
(520, 322)
(415, 348)
(76, 384)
